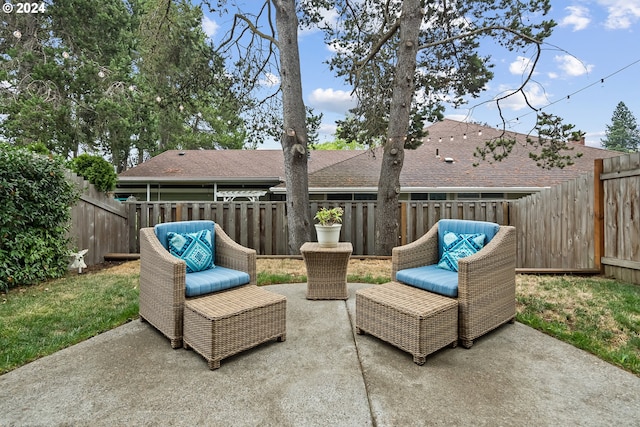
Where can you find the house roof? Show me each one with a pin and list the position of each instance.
(426, 168)
(224, 165)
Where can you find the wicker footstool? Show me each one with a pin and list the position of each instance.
(416, 321)
(227, 322)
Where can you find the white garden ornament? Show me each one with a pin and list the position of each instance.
(78, 260)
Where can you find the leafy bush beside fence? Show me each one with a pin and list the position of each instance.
(35, 203)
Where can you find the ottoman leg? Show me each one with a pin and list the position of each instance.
(359, 331)
(214, 364)
(282, 338)
(419, 360)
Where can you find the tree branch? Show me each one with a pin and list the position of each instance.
(481, 31)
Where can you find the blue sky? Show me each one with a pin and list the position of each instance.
(589, 64)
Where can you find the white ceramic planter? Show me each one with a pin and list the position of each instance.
(328, 235)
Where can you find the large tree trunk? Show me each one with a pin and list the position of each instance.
(294, 140)
(387, 210)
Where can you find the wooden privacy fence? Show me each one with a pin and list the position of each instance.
(555, 227)
(620, 180)
(263, 225)
(98, 223)
(589, 223)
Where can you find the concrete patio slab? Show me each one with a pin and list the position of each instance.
(322, 375)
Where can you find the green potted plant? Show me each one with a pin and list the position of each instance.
(328, 226)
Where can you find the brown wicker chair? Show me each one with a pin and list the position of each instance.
(486, 280)
(162, 276)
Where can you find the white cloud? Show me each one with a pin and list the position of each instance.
(336, 101)
(521, 66)
(622, 14)
(535, 96)
(572, 66)
(327, 131)
(578, 18)
(270, 80)
(209, 26)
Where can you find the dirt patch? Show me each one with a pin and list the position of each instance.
(114, 267)
(296, 267)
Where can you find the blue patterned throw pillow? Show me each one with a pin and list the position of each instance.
(194, 248)
(458, 246)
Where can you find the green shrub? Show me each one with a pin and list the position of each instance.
(35, 201)
(96, 170)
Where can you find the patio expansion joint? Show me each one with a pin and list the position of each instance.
(362, 370)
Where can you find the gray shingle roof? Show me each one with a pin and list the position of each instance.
(422, 168)
(361, 168)
(225, 164)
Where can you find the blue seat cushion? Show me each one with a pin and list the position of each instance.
(213, 280)
(431, 278)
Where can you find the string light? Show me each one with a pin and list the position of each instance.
(601, 81)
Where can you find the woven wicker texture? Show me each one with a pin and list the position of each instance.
(326, 270)
(225, 323)
(486, 280)
(162, 279)
(411, 319)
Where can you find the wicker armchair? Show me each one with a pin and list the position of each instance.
(485, 280)
(163, 276)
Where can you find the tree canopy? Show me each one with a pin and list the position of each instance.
(623, 134)
(120, 78)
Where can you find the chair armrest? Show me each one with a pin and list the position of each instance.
(418, 253)
(490, 269)
(231, 254)
(161, 274)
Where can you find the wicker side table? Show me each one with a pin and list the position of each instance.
(225, 323)
(416, 321)
(326, 270)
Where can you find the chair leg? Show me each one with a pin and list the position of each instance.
(466, 343)
(419, 360)
(176, 343)
(359, 331)
(282, 338)
(512, 320)
(214, 364)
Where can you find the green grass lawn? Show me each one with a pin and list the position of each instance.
(599, 315)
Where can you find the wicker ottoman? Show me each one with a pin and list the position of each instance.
(416, 321)
(227, 322)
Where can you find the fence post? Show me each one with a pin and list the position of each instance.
(403, 223)
(598, 215)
